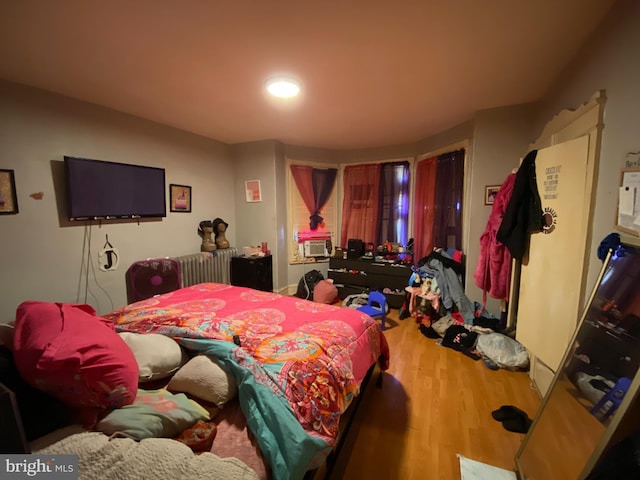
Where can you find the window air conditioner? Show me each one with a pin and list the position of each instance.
(315, 248)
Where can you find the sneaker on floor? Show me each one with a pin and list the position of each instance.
(491, 365)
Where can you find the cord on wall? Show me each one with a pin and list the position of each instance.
(85, 267)
(83, 274)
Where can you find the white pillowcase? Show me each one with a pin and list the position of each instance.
(203, 378)
(158, 356)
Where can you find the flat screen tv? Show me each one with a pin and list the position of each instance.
(101, 190)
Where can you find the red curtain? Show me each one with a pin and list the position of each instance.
(315, 186)
(424, 207)
(303, 178)
(361, 184)
(447, 223)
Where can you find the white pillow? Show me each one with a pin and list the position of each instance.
(202, 377)
(158, 356)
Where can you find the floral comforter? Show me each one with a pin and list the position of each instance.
(298, 365)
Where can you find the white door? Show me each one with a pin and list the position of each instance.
(550, 297)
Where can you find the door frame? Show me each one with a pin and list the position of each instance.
(586, 120)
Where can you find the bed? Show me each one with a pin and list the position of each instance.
(298, 370)
(298, 365)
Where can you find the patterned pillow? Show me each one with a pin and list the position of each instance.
(154, 413)
(68, 351)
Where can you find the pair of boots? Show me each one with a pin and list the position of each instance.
(512, 418)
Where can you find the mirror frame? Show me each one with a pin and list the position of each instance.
(611, 433)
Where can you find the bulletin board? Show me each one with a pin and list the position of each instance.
(628, 218)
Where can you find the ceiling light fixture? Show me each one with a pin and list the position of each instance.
(283, 87)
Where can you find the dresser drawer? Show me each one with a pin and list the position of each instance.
(379, 282)
(346, 290)
(345, 278)
(390, 269)
(347, 264)
(355, 276)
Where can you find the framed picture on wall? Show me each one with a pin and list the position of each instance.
(252, 190)
(8, 197)
(180, 198)
(628, 219)
(490, 192)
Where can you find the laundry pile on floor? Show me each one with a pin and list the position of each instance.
(496, 349)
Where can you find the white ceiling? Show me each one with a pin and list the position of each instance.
(374, 72)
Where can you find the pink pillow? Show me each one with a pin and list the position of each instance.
(325, 292)
(68, 351)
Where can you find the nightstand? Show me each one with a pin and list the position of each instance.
(252, 272)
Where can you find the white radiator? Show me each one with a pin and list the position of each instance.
(207, 267)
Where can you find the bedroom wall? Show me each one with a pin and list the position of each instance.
(65, 126)
(259, 221)
(41, 256)
(607, 61)
(500, 139)
(281, 265)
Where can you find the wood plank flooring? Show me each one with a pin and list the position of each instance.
(435, 403)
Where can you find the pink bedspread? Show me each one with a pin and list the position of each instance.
(311, 356)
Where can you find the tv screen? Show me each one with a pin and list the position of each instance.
(98, 190)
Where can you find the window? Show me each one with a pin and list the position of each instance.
(300, 221)
(438, 202)
(394, 203)
(361, 196)
(376, 203)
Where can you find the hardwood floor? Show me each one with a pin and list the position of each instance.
(435, 403)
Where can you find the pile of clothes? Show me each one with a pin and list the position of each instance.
(436, 288)
(438, 303)
(496, 349)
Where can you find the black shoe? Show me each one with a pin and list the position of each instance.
(506, 412)
(512, 418)
(519, 424)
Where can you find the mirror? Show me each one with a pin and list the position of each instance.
(587, 397)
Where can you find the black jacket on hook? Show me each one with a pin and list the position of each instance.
(524, 211)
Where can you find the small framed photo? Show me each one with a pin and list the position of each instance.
(180, 197)
(490, 192)
(8, 197)
(252, 190)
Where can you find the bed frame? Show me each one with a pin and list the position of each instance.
(349, 425)
(13, 439)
